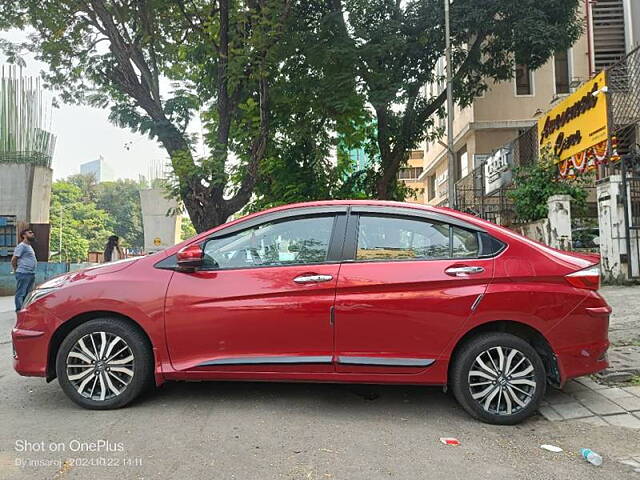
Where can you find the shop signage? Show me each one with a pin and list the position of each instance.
(578, 122)
(497, 169)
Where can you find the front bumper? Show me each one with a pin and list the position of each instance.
(31, 338)
(30, 352)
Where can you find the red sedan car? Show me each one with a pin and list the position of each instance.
(335, 291)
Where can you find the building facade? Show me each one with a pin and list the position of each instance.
(508, 109)
(100, 170)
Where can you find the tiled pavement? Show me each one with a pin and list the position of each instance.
(593, 403)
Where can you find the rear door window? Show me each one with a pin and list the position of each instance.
(400, 238)
(464, 243)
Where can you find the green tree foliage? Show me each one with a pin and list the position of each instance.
(396, 45)
(276, 82)
(121, 201)
(315, 106)
(87, 184)
(535, 183)
(218, 56)
(187, 229)
(85, 228)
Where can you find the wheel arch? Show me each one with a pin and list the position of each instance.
(66, 327)
(519, 329)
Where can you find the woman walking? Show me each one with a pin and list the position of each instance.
(112, 250)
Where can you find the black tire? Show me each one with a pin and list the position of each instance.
(460, 383)
(141, 365)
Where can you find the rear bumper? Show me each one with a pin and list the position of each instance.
(581, 340)
(582, 360)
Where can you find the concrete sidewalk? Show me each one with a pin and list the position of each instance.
(7, 304)
(624, 327)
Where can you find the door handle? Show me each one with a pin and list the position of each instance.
(463, 271)
(312, 279)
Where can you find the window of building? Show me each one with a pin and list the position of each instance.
(409, 173)
(395, 238)
(524, 80)
(609, 32)
(562, 74)
(289, 242)
(8, 234)
(431, 187)
(462, 163)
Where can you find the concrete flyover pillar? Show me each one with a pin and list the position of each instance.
(25, 195)
(160, 229)
(611, 224)
(560, 221)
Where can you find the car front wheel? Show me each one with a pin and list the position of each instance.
(498, 378)
(104, 363)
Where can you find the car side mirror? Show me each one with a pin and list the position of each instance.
(190, 258)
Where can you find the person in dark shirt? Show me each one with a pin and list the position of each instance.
(112, 250)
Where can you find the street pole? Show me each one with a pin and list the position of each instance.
(450, 155)
(60, 243)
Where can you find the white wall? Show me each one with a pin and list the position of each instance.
(158, 227)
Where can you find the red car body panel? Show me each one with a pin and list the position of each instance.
(407, 309)
(381, 310)
(257, 312)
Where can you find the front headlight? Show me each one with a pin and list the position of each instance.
(37, 294)
(45, 289)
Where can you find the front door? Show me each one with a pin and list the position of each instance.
(262, 302)
(410, 287)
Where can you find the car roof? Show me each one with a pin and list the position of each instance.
(441, 214)
(379, 203)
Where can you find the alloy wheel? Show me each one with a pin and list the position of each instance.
(100, 365)
(502, 380)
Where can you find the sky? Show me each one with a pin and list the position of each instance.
(84, 133)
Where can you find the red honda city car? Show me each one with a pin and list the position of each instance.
(333, 291)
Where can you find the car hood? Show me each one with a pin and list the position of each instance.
(92, 271)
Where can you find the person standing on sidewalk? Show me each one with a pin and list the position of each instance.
(24, 265)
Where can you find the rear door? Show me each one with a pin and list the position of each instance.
(410, 284)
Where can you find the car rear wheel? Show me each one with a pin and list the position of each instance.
(498, 378)
(104, 363)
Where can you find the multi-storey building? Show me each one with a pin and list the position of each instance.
(507, 109)
(100, 170)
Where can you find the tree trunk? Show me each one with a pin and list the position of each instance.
(387, 180)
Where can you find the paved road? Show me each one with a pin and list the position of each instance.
(286, 431)
(625, 320)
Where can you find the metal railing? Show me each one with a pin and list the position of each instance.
(623, 82)
(496, 206)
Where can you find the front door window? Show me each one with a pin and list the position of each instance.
(300, 241)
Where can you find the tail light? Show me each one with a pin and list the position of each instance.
(589, 278)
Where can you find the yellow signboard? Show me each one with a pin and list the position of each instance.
(157, 241)
(578, 122)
